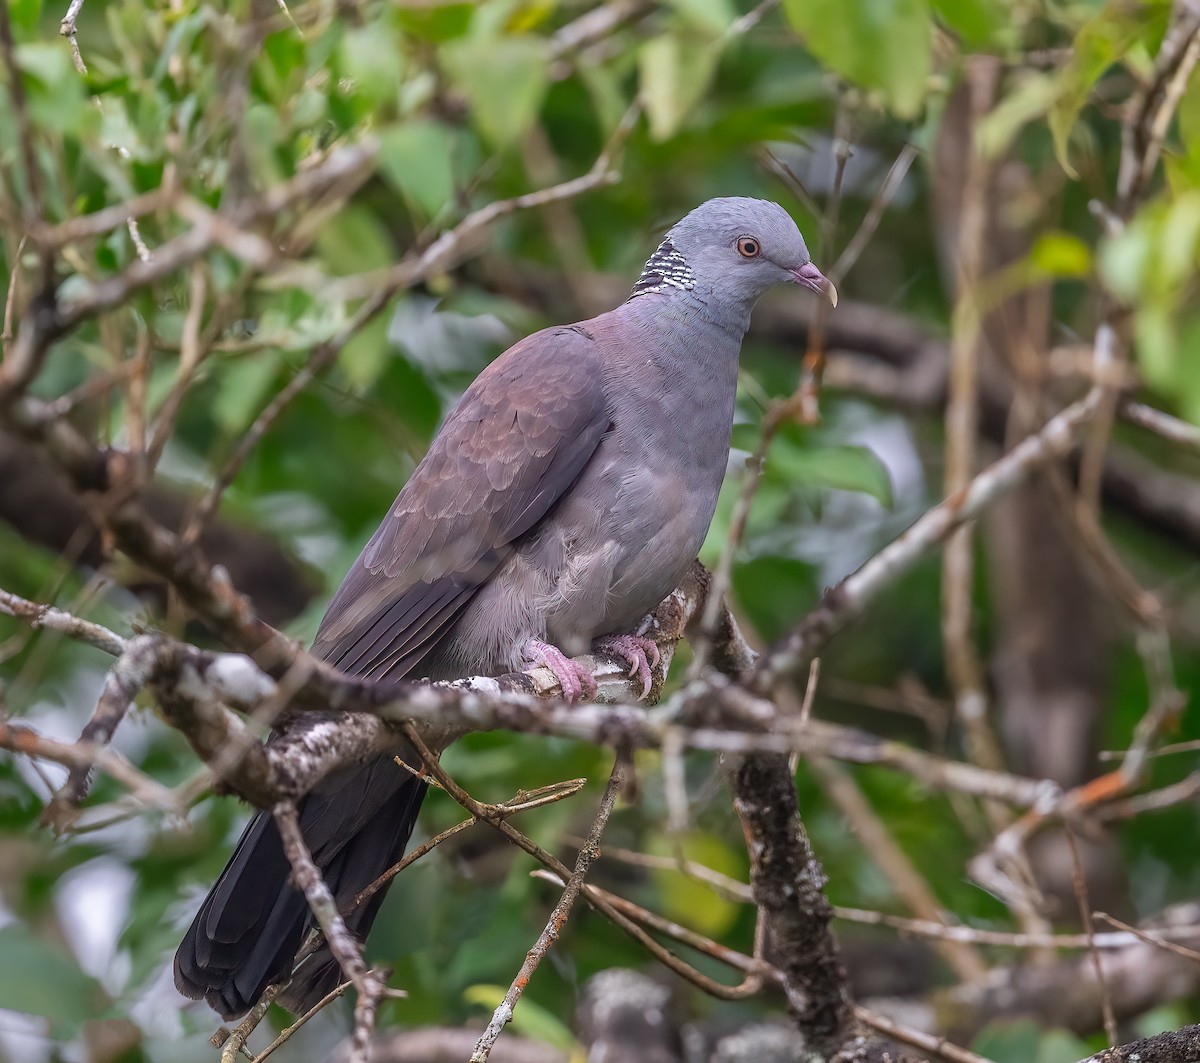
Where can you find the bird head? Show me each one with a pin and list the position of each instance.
(730, 251)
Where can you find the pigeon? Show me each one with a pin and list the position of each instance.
(562, 499)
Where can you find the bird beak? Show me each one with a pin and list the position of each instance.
(812, 278)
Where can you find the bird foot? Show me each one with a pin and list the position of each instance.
(575, 680)
(637, 651)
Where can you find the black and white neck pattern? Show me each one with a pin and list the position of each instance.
(666, 268)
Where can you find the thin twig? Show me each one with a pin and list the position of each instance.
(10, 296)
(26, 741)
(1079, 885)
(20, 107)
(623, 922)
(67, 29)
(915, 892)
(775, 165)
(755, 969)
(988, 867)
(1152, 109)
(938, 1047)
(1003, 938)
(1161, 424)
(285, 1034)
(1154, 801)
(54, 619)
(522, 802)
(879, 204)
(1157, 940)
(558, 918)
(341, 942)
(191, 354)
(232, 1043)
(86, 226)
(962, 426)
(805, 400)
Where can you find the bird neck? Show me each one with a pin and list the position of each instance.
(676, 331)
(665, 271)
(692, 309)
(667, 275)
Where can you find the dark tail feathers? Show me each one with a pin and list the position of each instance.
(252, 923)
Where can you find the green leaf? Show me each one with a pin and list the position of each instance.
(1101, 42)
(604, 88)
(980, 23)
(673, 74)
(25, 13)
(38, 979)
(1180, 235)
(771, 588)
(1061, 1046)
(712, 16)
(1188, 114)
(371, 58)
(1009, 1041)
(57, 99)
(435, 22)
(1188, 369)
(116, 131)
(1157, 347)
(528, 15)
(529, 1019)
(1125, 260)
(263, 135)
(415, 159)
(285, 50)
(688, 899)
(504, 80)
(355, 240)
(242, 390)
(1061, 255)
(878, 44)
(1032, 97)
(364, 357)
(842, 468)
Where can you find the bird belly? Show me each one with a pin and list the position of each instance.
(614, 547)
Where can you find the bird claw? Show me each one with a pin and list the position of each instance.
(639, 652)
(575, 680)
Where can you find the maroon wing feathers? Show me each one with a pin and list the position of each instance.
(515, 443)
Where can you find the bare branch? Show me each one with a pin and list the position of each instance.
(558, 918)
(342, 944)
(80, 756)
(938, 1047)
(788, 885)
(67, 29)
(1173, 1046)
(54, 619)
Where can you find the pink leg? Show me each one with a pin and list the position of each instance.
(640, 653)
(575, 680)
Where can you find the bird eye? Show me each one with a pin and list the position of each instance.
(748, 247)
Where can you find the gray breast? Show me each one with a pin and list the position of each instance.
(622, 537)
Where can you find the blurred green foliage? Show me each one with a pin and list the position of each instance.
(471, 103)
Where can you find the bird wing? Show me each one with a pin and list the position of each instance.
(514, 444)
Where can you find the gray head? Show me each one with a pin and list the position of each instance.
(728, 251)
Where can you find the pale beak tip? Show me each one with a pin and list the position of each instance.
(815, 281)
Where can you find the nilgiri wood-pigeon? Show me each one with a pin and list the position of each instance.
(563, 498)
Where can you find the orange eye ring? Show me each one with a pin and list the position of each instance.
(748, 247)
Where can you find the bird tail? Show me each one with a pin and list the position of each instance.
(253, 922)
